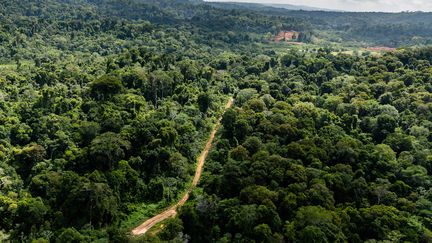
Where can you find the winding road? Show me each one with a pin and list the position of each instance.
(172, 211)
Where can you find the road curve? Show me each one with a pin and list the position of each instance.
(172, 211)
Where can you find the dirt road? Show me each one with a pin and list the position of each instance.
(172, 211)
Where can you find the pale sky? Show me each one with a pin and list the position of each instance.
(354, 5)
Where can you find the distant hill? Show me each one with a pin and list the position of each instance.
(374, 28)
(268, 6)
(298, 7)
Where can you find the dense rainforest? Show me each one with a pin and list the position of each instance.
(321, 148)
(106, 104)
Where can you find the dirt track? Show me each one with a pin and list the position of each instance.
(172, 211)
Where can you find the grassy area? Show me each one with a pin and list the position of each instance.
(142, 212)
(156, 229)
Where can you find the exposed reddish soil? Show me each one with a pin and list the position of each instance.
(286, 36)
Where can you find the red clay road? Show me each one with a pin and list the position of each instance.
(172, 211)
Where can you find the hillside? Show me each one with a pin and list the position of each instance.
(355, 28)
(298, 7)
(263, 6)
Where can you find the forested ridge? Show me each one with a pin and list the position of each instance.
(106, 104)
(356, 28)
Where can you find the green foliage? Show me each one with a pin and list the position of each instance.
(204, 102)
(107, 149)
(324, 162)
(105, 105)
(70, 235)
(105, 87)
(171, 229)
(30, 213)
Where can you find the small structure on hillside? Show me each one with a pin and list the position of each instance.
(286, 36)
